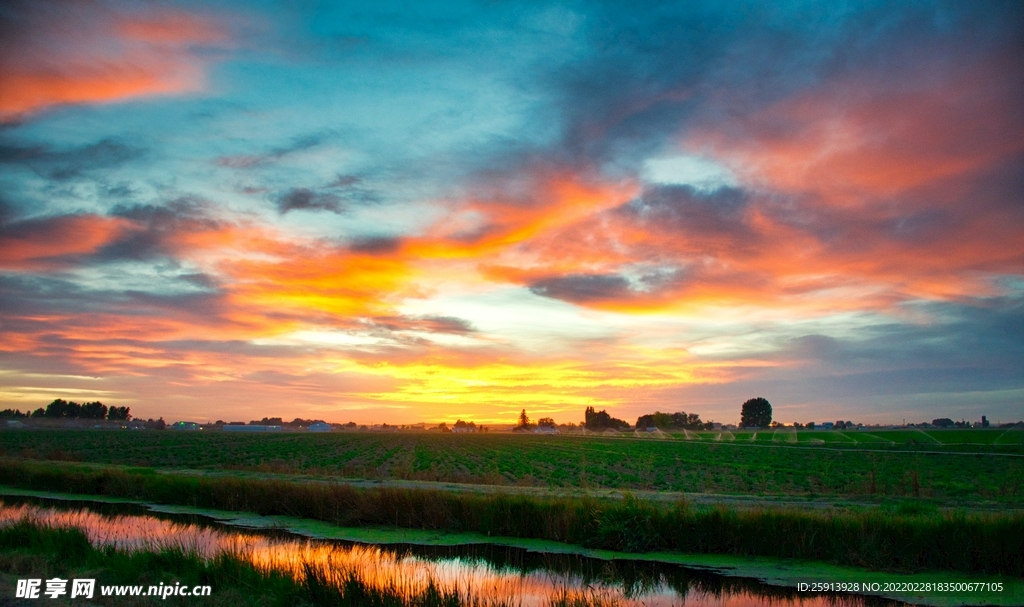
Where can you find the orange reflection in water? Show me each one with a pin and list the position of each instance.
(475, 580)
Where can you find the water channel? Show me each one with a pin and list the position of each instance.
(487, 574)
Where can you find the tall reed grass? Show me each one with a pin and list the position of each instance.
(910, 540)
(29, 548)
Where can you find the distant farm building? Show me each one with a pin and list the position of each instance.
(320, 427)
(462, 427)
(252, 428)
(184, 426)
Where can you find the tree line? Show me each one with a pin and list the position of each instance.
(755, 412)
(670, 421)
(63, 409)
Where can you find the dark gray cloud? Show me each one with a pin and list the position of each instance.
(205, 281)
(156, 225)
(595, 288)
(31, 298)
(64, 164)
(303, 199)
(582, 288)
(376, 245)
(345, 181)
(202, 304)
(20, 294)
(685, 209)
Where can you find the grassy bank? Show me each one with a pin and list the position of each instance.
(28, 549)
(895, 540)
(740, 467)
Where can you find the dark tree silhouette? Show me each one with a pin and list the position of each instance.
(119, 413)
(756, 412)
(61, 408)
(94, 410)
(670, 421)
(600, 420)
(524, 423)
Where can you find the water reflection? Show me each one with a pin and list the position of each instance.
(484, 574)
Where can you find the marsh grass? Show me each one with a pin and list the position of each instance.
(30, 548)
(912, 539)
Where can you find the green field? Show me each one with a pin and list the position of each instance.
(960, 466)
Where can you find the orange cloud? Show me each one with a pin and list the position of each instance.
(40, 243)
(495, 225)
(92, 55)
(328, 284)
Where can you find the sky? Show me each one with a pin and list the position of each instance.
(403, 212)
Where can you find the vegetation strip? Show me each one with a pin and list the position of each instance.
(908, 541)
(772, 571)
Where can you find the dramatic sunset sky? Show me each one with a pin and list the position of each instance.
(423, 211)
